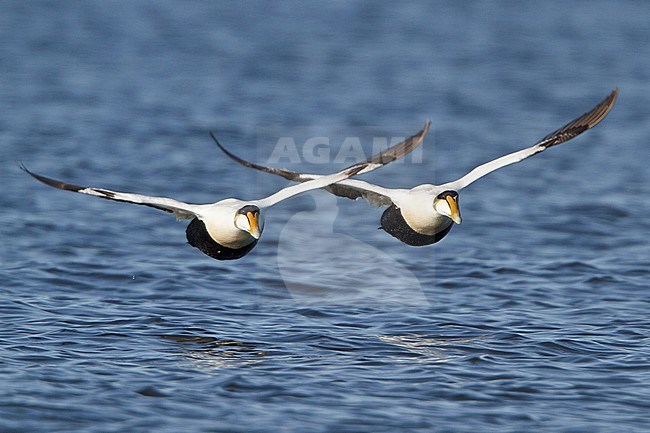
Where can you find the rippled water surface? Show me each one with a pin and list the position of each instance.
(533, 315)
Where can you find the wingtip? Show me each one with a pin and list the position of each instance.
(214, 138)
(24, 168)
(608, 104)
(424, 130)
(418, 138)
(581, 124)
(614, 95)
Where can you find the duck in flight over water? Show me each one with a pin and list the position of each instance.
(426, 213)
(229, 229)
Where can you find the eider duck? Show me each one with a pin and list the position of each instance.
(229, 229)
(425, 214)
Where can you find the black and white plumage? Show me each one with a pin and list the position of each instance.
(426, 213)
(229, 229)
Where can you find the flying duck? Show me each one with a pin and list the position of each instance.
(229, 229)
(425, 214)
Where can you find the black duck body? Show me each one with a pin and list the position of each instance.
(394, 224)
(198, 236)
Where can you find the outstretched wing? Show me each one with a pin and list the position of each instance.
(353, 189)
(179, 209)
(565, 133)
(319, 182)
(399, 150)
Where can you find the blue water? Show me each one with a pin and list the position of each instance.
(533, 315)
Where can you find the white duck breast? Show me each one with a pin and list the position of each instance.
(229, 229)
(213, 236)
(416, 222)
(426, 213)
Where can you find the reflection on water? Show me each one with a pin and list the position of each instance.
(214, 353)
(431, 349)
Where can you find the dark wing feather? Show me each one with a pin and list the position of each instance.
(581, 124)
(393, 153)
(291, 175)
(179, 209)
(401, 149)
(565, 133)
